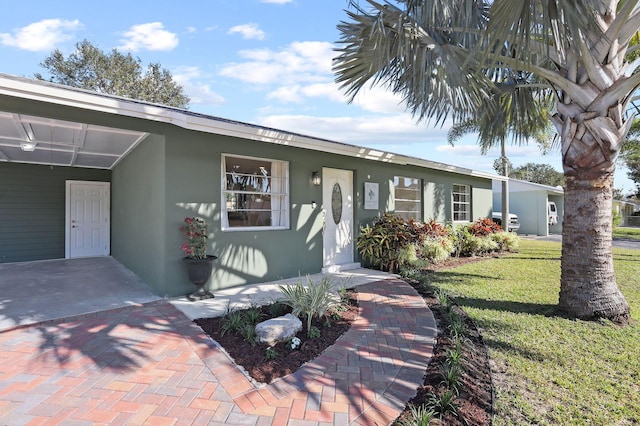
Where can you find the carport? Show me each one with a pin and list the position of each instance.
(40, 291)
(530, 202)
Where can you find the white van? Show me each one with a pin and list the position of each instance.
(512, 226)
(552, 213)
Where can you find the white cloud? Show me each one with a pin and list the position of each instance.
(149, 36)
(302, 70)
(459, 149)
(248, 31)
(42, 35)
(379, 100)
(190, 78)
(308, 62)
(287, 94)
(298, 94)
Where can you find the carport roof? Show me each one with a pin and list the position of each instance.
(85, 145)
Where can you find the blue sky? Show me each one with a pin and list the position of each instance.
(266, 62)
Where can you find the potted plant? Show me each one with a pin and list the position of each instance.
(199, 263)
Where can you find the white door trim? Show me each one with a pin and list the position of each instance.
(105, 249)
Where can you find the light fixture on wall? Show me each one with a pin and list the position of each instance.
(28, 146)
(315, 178)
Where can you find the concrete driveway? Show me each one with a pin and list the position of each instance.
(617, 242)
(33, 292)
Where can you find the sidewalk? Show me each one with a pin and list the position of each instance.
(150, 364)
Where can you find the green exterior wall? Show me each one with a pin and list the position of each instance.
(32, 209)
(176, 173)
(138, 214)
(193, 188)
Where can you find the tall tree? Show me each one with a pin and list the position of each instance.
(444, 58)
(114, 73)
(543, 174)
(510, 111)
(630, 154)
(501, 166)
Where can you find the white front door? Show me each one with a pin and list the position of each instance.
(87, 219)
(337, 205)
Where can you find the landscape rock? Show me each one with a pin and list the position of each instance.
(278, 329)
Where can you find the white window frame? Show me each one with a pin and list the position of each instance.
(408, 214)
(280, 210)
(456, 204)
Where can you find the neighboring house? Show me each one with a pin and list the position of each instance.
(85, 174)
(625, 209)
(530, 201)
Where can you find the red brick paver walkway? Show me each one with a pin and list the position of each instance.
(151, 365)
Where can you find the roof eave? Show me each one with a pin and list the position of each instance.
(84, 99)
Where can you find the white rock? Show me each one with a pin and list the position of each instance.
(278, 329)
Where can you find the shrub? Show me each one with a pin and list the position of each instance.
(233, 321)
(451, 376)
(483, 227)
(616, 218)
(443, 403)
(248, 332)
(379, 243)
(253, 315)
(482, 237)
(507, 241)
(437, 249)
(314, 300)
(391, 243)
(419, 416)
(410, 257)
(271, 353)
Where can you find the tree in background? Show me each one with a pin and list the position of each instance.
(114, 73)
(630, 155)
(445, 57)
(511, 110)
(543, 174)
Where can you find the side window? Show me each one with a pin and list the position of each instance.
(408, 197)
(255, 193)
(461, 202)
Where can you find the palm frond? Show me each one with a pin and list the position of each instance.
(421, 55)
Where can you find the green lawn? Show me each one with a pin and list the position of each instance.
(557, 371)
(630, 233)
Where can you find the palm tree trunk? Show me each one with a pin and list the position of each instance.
(588, 284)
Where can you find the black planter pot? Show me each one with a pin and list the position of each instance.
(199, 272)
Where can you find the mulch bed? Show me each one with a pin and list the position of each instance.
(253, 358)
(475, 398)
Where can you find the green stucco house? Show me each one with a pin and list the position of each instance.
(84, 174)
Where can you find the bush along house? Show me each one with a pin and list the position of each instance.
(85, 174)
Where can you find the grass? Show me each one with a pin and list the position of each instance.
(629, 233)
(557, 371)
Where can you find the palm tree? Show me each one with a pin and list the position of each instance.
(444, 58)
(506, 114)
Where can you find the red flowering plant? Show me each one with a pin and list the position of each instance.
(196, 232)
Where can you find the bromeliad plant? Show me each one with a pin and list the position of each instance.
(196, 231)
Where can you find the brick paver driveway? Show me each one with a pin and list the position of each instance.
(150, 365)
